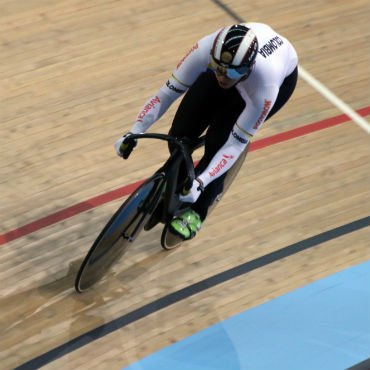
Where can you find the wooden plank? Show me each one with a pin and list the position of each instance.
(75, 74)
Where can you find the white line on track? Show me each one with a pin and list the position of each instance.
(345, 108)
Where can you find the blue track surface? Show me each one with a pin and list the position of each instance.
(322, 326)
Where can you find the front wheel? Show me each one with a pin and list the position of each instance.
(119, 232)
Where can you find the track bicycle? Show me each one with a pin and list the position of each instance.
(155, 201)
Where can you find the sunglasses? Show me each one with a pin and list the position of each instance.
(230, 72)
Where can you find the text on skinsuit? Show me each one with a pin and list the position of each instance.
(239, 138)
(175, 89)
(147, 108)
(265, 110)
(270, 46)
(222, 164)
(189, 52)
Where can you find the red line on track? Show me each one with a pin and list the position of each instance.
(304, 130)
(118, 193)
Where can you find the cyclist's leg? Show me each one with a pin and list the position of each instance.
(230, 106)
(192, 118)
(217, 135)
(205, 104)
(195, 111)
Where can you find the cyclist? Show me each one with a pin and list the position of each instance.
(235, 79)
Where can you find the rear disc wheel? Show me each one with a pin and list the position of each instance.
(119, 232)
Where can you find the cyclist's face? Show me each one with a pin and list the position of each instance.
(224, 81)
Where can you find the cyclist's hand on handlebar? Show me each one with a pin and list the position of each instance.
(193, 194)
(125, 145)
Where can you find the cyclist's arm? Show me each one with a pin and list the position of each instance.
(225, 157)
(157, 105)
(258, 106)
(186, 72)
(249, 121)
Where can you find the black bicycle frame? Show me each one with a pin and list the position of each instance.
(170, 170)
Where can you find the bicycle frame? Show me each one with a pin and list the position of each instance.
(170, 170)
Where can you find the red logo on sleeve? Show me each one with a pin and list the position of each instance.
(189, 52)
(263, 115)
(222, 164)
(147, 108)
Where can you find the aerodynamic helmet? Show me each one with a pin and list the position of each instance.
(234, 51)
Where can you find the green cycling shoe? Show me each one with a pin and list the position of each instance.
(186, 225)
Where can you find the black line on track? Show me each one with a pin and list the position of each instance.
(364, 365)
(228, 11)
(189, 291)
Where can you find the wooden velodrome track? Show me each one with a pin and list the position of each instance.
(74, 74)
